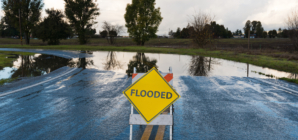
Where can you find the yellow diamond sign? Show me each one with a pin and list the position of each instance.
(151, 95)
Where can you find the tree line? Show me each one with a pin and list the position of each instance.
(218, 31)
(142, 21)
(23, 18)
(257, 31)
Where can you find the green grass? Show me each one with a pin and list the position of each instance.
(154, 41)
(3, 81)
(290, 80)
(259, 60)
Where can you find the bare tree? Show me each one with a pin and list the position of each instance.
(200, 30)
(292, 23)
(112, 30)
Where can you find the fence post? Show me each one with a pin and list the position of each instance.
(171, 112)
(131, 111)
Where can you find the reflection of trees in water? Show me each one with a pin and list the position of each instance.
(200, 66)
(84, 62)
(35, 66)
(112, 62)
(142, 64)
(293, 76)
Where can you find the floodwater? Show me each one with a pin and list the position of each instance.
(85, 102)
(123, 62)
(34, 65)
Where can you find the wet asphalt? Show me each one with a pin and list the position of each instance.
(76, 103)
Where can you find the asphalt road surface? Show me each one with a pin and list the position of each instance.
(75, 103)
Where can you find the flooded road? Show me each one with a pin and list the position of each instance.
(86, 102)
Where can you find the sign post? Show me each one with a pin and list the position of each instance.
(151, 94)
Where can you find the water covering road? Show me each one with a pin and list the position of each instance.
(76, 103)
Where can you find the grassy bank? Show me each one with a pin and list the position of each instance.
(263, 60)
(156, 41)
(290, 80)
(8, 80)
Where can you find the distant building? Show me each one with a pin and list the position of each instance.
(251, 36)
(238, 36)
(164, 36)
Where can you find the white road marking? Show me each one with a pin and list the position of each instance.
(4, 94)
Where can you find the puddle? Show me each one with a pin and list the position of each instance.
(124, 62)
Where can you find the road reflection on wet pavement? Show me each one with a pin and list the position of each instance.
(89, 104)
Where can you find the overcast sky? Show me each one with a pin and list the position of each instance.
(177, 13)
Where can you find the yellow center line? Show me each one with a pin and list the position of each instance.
(161, 130)
(147, 132)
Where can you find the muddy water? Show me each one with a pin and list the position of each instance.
(123, 62)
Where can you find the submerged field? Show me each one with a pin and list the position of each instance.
(268, 59)
(230, 49)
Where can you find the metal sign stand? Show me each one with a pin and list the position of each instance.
(136, 119)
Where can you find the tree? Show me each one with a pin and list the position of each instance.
(229, 35)
(142, 20)
(2, 27)
(6, 30)
(91, 32)
(171, 33)
(237, 32)
(112, 31)
(81, 15)
(270, 34)
(201, 33)
(247, 28)
(178, 33)
(285, 33)
(264, 34)
(259, 30)
(28, 11)
(254, 26)
(53, 28)
(185, 33)
(274, 33)
(219, 31)
(279, 33)
(103, 34)
(292, 23)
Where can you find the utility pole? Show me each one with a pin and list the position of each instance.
(20, 27)
(247, 70)
(248, 36)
